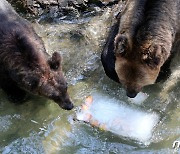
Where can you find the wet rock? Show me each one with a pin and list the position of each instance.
(65, 9)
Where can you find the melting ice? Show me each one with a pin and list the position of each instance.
(112, 115)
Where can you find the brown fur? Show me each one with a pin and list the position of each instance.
(143, 42)
(140, 65)
(130, 19)
(25, 66)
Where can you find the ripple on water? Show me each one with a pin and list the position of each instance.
(31, 144)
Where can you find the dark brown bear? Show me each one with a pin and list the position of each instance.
(24, 64)
(140, 43)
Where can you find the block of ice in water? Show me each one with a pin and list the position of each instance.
(112, 115)
(140, 98)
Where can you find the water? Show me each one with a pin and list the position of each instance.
(40, 126)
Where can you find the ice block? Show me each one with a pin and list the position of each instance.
(113, 115)
(139, 99)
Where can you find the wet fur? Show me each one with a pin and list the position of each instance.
(25, 66)
(140, 46)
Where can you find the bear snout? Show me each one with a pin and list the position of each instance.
(65, 103)
(68, 106)
(131, 93)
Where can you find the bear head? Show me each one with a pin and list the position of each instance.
(26, 62)
(138, 67)
(52, 83)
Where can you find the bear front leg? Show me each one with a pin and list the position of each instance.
(14, 93)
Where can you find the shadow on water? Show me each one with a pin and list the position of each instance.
(40, 126)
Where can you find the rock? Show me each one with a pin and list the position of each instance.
(66, 9)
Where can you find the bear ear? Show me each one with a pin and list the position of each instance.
(152, 57)
(120, 45)
(151, 61)
(55, 61)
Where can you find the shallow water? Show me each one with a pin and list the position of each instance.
(40, 126)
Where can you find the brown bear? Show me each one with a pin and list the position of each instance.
(24, 64)
(139, 46)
